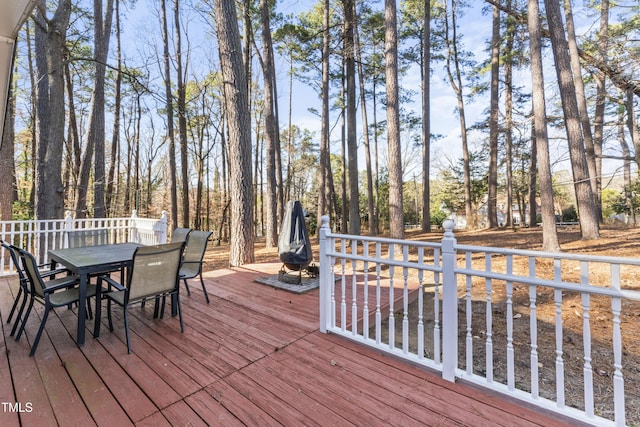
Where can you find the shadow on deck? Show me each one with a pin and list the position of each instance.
(254, 356)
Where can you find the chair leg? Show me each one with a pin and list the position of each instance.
(24, 319)
(15, 304)
(19, 316)
(187, 286)
(42, 323)
(164, 302)
(89, 314)
(206, 296)
(126, 329)
(109, 315)
(156, 307)
(177, 300)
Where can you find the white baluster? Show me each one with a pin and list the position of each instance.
(378, 297)
(618, 379)
(420, 303)
(365, 307)
(354, 289)
(489, 317)
(392, 320)
(511, 382)
(405, 301)
(557, 293)
(533, 330)
(586, 339)
(343, 283)
(469, 314)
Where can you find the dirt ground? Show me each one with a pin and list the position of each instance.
(620, 242)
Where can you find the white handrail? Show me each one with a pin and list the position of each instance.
(363, 272)
(39, 236)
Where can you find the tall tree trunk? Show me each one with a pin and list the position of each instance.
(73, 139)
(576, 69)
(533, 180)
(324, 172)
(549, 234)
(239, 123)
(95, 149)
(589, 227)
(270, 125)
(136, 154)
(455, 79)
(626, 154)
(426, 117)
(396, 211)
(111, 198)
(50, 44)
(376, 158)
(508, 120)
(173, 186)
(343, 139)
(601, 91)
(632, 124)
(365, 130)
(181, 104)
(492, 202)
(276, 118)
(352, 141)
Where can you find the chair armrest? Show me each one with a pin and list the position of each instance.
(63, 283)
(111, 282)
(192, 262)
(49, 273)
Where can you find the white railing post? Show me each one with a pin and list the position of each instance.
(133, 228)
(68, 226)
(325, 275)
(449, 304)
(162, 228)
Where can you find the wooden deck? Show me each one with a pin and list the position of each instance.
(254, 357)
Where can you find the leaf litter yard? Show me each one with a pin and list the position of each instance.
(614, 242)
(618, 242)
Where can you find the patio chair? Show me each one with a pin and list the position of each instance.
(193, 259)
(154, 274)
(52, 293)
(88, 237)
(23, 290)
(180, 235)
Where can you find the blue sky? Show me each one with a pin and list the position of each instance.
(142, 25)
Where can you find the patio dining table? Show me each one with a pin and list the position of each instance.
(87, 260)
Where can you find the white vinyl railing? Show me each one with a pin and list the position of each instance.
(39, 236)
(472, 314)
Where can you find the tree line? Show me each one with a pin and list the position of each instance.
(186, 115)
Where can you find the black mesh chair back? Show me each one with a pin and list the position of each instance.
(180, 235)
(194, 258)
(155, 271)
(22, 290)
(153, 276)
(51, 293)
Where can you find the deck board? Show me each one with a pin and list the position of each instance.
(253, 356)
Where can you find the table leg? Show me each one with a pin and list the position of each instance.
(82, 309)
(96, 327)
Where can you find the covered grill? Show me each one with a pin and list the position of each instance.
(294, 247)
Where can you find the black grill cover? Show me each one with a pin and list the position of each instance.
(294, 247)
